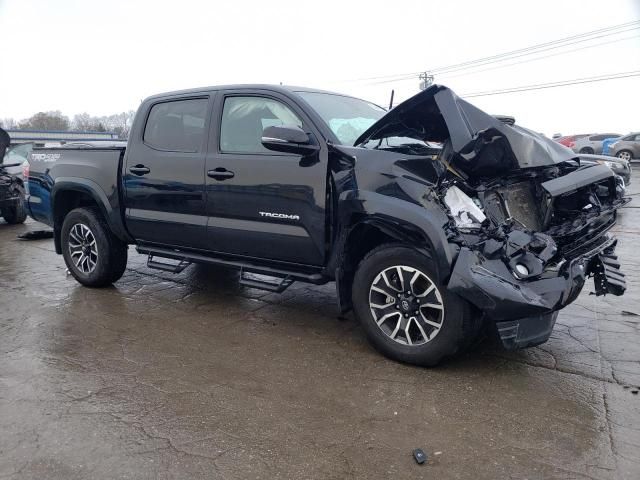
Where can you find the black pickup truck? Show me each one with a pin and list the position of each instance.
(434, 219)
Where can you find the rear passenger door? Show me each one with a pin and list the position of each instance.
(262, 203)
(164, 173)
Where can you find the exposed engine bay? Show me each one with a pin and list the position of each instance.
(540, 232)
(536, 218)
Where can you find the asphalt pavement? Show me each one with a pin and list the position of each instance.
(193, 376)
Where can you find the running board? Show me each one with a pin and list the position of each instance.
(167, 267)
(185, 258)
(276, 287)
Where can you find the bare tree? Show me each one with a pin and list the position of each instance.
(8, 123)
(85, 122)
(53, 120)
(119, 123)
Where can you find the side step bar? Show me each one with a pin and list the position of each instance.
(267, 285)
(286, 276)
(167, 267)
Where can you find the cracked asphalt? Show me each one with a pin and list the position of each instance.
(193, 376)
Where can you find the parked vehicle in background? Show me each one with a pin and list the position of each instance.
(620, 167)
(606, 145)
(570, 140)
(592, 144)
(12, 191)
(17, 155)
(627, 147)
(500, 227)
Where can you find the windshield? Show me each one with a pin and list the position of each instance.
(347, 117)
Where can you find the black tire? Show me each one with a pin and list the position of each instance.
(587, 150)
(15, 213)
(458, 326)
(625, 155)
(111, 253)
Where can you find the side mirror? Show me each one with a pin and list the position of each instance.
(288, 139)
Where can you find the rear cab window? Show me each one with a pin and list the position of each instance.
(176, 125)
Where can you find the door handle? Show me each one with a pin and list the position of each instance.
(139, 170)
(220, 174)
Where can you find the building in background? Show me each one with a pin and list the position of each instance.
(41, 138)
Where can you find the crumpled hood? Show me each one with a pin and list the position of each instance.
(478, 143)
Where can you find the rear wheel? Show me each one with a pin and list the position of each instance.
(15, 213)
(405, 311)
(625, 155)
(94, 256)
(587, 150)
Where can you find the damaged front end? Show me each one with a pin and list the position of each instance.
(528, 224)
(541, 238)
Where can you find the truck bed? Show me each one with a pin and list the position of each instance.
(73, 165)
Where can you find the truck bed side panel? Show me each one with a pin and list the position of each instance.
(92, 171)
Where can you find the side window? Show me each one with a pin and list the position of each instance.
(244, 119)
(176, 126)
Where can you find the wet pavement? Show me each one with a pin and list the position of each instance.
(193, 376)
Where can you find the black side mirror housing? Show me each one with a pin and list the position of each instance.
(288, 139)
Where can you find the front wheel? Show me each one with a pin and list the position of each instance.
(94, 256)
(405, 311)
(15, 213)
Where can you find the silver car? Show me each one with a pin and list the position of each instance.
(592, 144)
(627, 147)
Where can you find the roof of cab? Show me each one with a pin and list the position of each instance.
(257, 86)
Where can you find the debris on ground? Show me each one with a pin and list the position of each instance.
(36, 235)
(420, 456)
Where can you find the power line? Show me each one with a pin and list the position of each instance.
(540, 58)
(480, 63)
(539, 48)
(580, 37)
(560, 83)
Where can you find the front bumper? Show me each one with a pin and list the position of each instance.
(526, 332)
(524, 311)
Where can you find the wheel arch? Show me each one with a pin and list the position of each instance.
(372, 231)
(70, 193)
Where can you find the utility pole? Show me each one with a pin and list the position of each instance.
(426, 80)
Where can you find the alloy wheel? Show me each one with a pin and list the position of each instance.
(625, 156)
(83, 248)
(406, 305)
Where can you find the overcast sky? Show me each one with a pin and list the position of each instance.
(104, 57)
